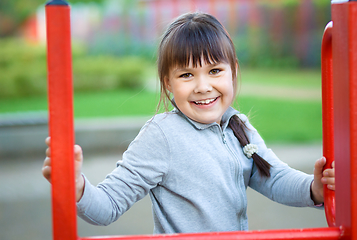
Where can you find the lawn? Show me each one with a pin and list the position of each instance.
(306, 78)
(282, 121)
(277, 120)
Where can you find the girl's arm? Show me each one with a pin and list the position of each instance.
(322, 177)
(78, 159)
(286, 185)
(142, 167)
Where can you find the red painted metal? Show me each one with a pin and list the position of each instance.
(327, 118)
(344, 52)
(296, 234)
(59, 64)
(353, 115)
(341, 109)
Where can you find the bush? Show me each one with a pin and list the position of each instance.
(23, 69)
(109, 72)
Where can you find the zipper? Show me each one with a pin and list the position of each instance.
(238, 171)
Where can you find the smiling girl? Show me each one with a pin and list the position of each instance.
(197, 160)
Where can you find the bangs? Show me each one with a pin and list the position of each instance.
(197, 43)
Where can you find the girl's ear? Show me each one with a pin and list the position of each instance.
(167, 84)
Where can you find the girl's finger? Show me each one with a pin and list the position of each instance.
(48, 141)
(48, 152)
(46, 169)
(47, 161)
(319, 165)
(46, 172)
(78, 154)
(329, 173)
(328, 180)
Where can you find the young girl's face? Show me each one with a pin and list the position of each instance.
(203, 93)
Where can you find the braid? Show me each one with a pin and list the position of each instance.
(236, 124)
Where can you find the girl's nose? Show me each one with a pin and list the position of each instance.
(202, 85)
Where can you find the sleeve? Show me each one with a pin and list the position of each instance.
(285, 185)
(142, 168)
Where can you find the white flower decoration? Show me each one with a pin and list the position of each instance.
(250, 149)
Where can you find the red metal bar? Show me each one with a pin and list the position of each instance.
(344, 52)
(60, 96)
(353, 114)
(296, 234)
(341, 109)
(327, 118)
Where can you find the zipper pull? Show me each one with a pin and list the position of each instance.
(224, 138)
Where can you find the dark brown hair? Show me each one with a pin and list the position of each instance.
(238, 127)
(200, 37)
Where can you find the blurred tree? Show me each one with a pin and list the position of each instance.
(13, 13)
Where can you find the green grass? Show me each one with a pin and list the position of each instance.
(92, 104)
(283, 121)
(277, 120)
(307, 78)
(115, 103)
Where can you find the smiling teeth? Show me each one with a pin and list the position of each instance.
(208, 101)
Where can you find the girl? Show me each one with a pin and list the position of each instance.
(197, 160)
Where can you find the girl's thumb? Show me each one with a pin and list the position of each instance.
(78, 154)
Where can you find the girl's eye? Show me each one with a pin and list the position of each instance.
(186, 75)
(215, 71)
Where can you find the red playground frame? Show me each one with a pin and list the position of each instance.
(339, 103)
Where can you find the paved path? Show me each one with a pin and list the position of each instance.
(25, 208)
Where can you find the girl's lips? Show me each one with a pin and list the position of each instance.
(206, 101)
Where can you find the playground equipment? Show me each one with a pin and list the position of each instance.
(339, 100)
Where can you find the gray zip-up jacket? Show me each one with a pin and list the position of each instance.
(196, 175)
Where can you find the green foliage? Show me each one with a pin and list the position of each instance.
(14, 12)
(322, 3)
(109, 72)
(23, 70)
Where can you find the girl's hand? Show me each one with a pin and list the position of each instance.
(78, 160)
(320, 178)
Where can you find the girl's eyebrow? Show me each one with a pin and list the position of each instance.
(185, 69)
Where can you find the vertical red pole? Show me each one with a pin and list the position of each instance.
(327, 118)
(353, 115)
(344, 52)
(59, 64)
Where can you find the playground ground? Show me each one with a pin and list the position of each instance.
(25, 205)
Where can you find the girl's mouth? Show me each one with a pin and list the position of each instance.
(205, 102)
